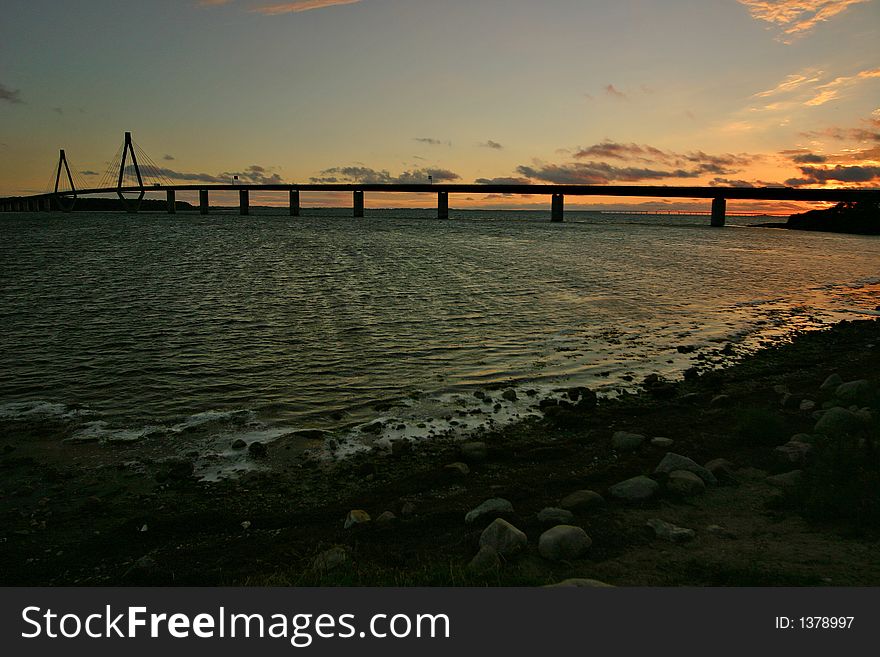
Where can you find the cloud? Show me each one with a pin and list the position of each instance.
(168, 158)
(848, 174)
(614, 92)
(89, 172)
(650, 154)
(726, 182)
(254, 174)
(791, 83)
(809, 158)
(432, 142)
(502, 181)
(796, 17)
(598, 173)
(831, 90)
(369, 176)
(300, 6)
(492, 144)
(213, 3)
(10, 95)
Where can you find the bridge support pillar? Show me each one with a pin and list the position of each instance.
(358, 198)
(294, 202)
(443, 205)
(44, 205)
(557, 207)
(719, 208)
(244, 203)
(171, 201)
(203, 201)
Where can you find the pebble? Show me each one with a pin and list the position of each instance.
(722, 470)
(509, 395)
(555, 516)
(356, 517)
(807, 405)
(492, 507)
(582, 500)
(663, 443)
(674, 461)
(386, 517)
(257, 449)
(636, 489)
(669, 532)
(793, 452)
(685, 483)
(626, 441)
(504, 537)
(238, 443)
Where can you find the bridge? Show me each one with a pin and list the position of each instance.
(65, 192)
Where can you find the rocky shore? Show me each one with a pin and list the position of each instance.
(762, 473)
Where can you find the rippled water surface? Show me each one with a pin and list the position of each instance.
(140, 326)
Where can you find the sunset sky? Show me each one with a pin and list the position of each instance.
(679, 92)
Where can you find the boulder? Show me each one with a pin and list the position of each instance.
(579, 582)
(831, 383)
(793, 452)
(807, 405)
(238, 443)
(637, 489)
(674, 461)
(669, 532)
(504, 537)
(257, 449)
(563, 543)
(662, 442)
(493, 507)
(582, 500)
(554, 516)
(330, 559)
(474, 452)
(457, 468)
(386, 517)
(786, 481)
(509, 395)
(685, 483)
(855, 392)
(626, 441)
(356, 517)
(485, 561)
(722, 470)
(837, 422)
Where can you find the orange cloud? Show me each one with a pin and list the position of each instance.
(831, 90)
(299, 6)
(795, 17)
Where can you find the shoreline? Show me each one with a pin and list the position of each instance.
(123, 523)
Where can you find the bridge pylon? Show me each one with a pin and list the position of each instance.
(66, 203)
(132, 205)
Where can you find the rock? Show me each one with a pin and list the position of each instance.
(509, 395)
(238, 443)
(457, 468)
(831, 382)
(504, 537)
(407, 509)
(258, 449)
(791, 401)
(855, 392)
(804, 438)
(356, 517)
(146, 571)
(485, 561)
(385, 518)
(807, 405)
(400, 446)
(493, 507)
(554, 516)
(245, 524)
(661, 442)
(582, 500)
(793, 452)
(786, 481)
(329, 559)
(837, 422)
(579, 582)
(637, 489)
(626, 441)
(474, 452)
(780, 389)
(720, 400)
(722, 470)
(723, 532)
(685, 483)
(674, 461)
(563, 543)
(669, 532)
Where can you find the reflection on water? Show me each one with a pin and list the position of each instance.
(311, 322)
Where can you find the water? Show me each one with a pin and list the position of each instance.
(190, 331)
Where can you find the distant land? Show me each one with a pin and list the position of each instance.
(856, 218)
